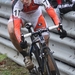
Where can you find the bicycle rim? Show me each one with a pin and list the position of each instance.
(49, 57)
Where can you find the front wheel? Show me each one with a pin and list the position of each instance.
(50, 66)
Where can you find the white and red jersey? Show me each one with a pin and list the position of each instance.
(31, 13)
(18, 6)
(34, 7)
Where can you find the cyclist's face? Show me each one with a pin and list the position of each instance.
(26, 2)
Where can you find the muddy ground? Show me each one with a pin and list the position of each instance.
(9, 67)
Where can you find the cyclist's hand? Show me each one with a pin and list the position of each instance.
(62, 32)
(23, 44)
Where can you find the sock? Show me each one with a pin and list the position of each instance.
(24, 53)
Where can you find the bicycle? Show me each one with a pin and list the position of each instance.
(41, 52)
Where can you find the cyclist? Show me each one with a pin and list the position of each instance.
(29, 11)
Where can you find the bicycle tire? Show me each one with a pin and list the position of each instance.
(50, 56)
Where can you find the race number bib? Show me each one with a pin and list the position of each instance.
(16, 13)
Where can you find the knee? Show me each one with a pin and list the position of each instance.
(47, 40)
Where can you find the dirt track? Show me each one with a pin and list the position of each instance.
(9, 67)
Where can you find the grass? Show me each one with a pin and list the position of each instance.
(9, 67)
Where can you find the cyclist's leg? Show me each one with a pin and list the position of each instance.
(15, 25)
(51, 65)
(12, 35)
(52, 68)
(55, 70)
(14, 29)
(41, 24)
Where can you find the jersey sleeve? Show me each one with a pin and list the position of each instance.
(43, 2)
(16, 7)
(49, 9)
(46, 4)
(51, 12)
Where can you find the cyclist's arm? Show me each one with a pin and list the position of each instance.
(50, 10)
(17, 22)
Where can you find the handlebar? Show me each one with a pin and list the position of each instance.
(49, 28)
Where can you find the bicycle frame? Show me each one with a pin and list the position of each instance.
(38, 52)
(35, 49)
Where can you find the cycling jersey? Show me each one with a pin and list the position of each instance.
(31, 13)
(33, 7)
(18, 6)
